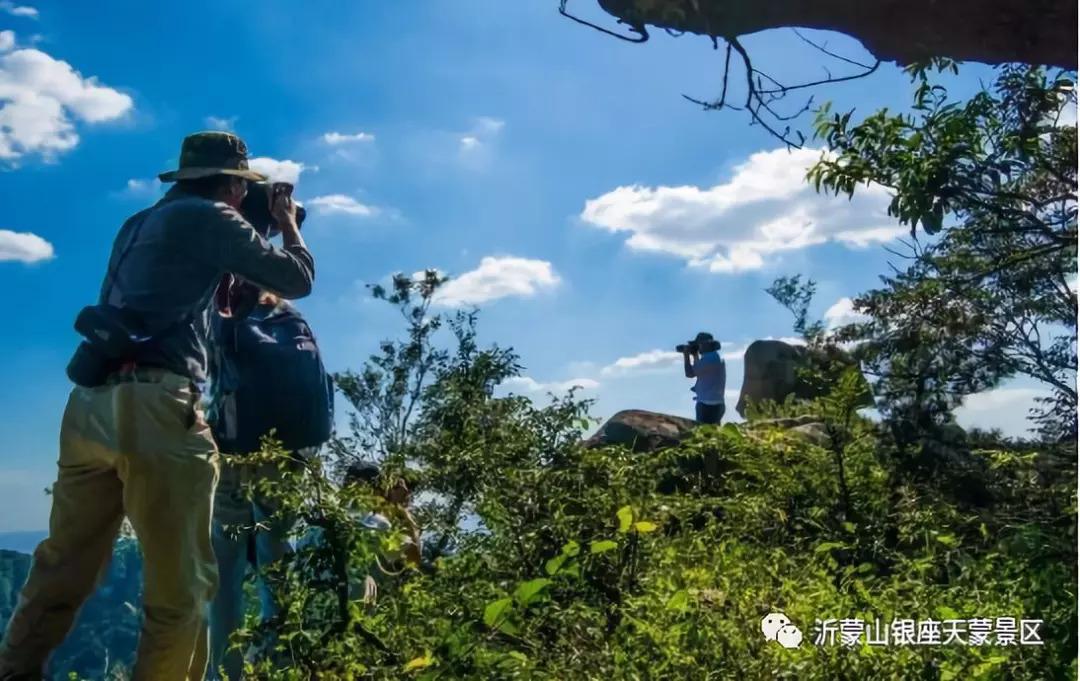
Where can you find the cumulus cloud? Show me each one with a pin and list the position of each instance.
(14, 10)
(221, 123)
(7, 40)
(651, 360)
(531, 385)
(24, 247)
(337, 138)
(842, 313)
(340, 204)
(498, 277)
(767, 207)
(278, 171)
(42, 98)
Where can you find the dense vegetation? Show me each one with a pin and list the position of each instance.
(548, 560)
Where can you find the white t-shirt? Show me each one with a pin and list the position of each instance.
(711, 374)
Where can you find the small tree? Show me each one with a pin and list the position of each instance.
(992, 182)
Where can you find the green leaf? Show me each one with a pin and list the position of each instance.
(827, 546)
(947, 539)
(644, 526)
(602, 546)
(947, 613)
(571, 548)
(553, 565)
(508, 627)
(528, 591)
(422, 662)
(733, 431)
(497, 610)
(678, 601)
(626, 517)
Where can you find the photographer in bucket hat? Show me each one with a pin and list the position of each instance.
(702, 361)
(134, 441)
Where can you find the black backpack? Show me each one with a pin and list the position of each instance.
(270, 376)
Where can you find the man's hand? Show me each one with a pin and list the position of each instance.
(283, 209)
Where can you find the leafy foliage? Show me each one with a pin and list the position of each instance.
(993, 294)
(567, 562)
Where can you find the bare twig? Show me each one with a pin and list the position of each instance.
(642, 34)
(823, 49)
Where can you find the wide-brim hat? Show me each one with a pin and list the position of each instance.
(706, 340)
(212, 153)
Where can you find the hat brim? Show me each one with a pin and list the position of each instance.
(196, 173)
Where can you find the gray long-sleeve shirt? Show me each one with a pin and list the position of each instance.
(171, 269)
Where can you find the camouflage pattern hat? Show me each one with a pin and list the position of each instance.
(212, 153)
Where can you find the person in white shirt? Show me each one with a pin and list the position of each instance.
(702, 361)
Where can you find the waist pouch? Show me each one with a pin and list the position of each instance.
(111, 338)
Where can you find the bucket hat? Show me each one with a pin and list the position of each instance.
(212, 153)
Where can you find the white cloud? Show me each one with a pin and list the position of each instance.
(340, 203)
(469, 142)
(18, 10)
(220, 123)
(652, 360)
(1005, 409)
(139, 188)
(7, 40)
(527, 384)
(663, 360)
(23, 247)
(842, 313)
(278, 171)
(495, 278)
(41, 98)
(336, 138)
(765, 208)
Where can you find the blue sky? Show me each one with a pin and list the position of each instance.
(595, 216)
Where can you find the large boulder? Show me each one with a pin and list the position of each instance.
(641, 431)
(648, 431)
(772, 371)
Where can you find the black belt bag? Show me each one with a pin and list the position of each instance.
(110, 340)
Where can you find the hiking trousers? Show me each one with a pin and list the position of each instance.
(137, 446)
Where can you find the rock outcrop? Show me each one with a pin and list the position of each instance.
(642, 431)
(771, 371)
(904, 31)
(648, 431)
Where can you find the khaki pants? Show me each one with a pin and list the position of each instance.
(139, 447)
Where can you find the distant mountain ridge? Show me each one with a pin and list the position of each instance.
(106, 631)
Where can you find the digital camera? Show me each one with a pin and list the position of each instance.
(256, 206)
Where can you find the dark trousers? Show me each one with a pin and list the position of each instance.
(709, 413)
